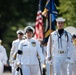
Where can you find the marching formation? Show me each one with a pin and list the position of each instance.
(28, 56)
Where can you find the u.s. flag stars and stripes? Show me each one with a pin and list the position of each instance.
(39, 26)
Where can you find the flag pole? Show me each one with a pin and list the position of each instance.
(50, 37)
(49, 17)
(50, 44)
(39, 6)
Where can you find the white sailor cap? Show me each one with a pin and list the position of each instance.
(20, 32)
(29, 28)
(60, 19)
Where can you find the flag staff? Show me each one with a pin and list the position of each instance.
(39, 6)
(50, 28)
(50, 18)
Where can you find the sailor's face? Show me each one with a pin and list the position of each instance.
(60, 25)
(20, 36)
(29, 34)
(74, 41)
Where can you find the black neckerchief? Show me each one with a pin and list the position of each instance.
(60, 32)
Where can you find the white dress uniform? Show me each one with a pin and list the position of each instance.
(13, 52)
(61, 49)
(74, 57)
(3, 59)
(30, 48)
(72, 66)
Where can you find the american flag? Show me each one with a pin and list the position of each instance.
(39, 26)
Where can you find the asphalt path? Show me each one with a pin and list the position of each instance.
(7, 73)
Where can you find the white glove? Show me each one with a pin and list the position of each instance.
(49, 58)
(17, 63)
(50, 62)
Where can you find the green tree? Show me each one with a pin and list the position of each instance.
(67, 9)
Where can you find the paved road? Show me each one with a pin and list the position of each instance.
(7, 73)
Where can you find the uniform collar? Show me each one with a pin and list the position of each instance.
(28, 39)
(19, 40)
(58, 32)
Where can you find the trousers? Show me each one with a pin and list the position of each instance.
(1, 68)
(31, 70)
(59, 66)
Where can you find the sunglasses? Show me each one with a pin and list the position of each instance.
(60, 22)
(21, 33)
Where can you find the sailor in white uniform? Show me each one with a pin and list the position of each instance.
(14, 50)
(61, 48)
(3, 58)
(28, 51)
(74, 55)
(72, 65)
(43, 67)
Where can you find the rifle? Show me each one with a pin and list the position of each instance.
(40, 65)
(19, 69)
(44, 71)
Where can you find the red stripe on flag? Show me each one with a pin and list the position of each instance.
(39, 26)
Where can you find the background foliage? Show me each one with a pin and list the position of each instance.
(67, 9)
